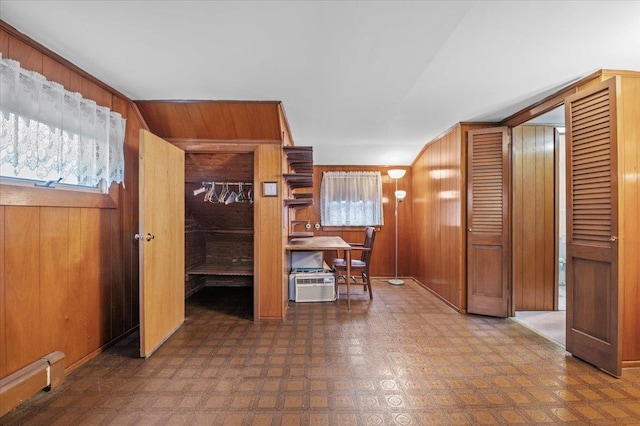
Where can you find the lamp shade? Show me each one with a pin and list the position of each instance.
(396, 173)
(400, 194)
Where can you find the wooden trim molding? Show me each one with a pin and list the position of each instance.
(202, 146)
(548, 103)
(20, 195)
(43, 374)
(204, 101)
(138, 114)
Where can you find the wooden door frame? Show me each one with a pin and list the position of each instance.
(208, 147)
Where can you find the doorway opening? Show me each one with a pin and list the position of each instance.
(219, 232)
(539, 225)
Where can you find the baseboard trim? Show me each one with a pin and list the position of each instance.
(448, 303)
(43, 374)
(631, 364)
(95, 353)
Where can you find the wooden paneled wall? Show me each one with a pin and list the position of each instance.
(383, 256)
(438, 205)
(438, 237)
(269, 229)
(629, 215)
(69, 278)
(533, 187)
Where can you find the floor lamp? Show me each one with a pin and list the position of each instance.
(396, 174)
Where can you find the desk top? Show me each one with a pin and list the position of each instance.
(317, 243)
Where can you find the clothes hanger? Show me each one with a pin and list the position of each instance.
(211, 195)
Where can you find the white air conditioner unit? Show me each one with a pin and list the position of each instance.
(312, 287)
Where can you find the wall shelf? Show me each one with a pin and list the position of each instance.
(300, 161)
(299, 180)
(241, 269)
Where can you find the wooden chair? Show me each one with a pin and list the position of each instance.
(360, 266)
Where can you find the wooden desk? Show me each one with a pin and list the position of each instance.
(322, 244)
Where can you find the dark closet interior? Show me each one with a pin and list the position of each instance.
(219, 224)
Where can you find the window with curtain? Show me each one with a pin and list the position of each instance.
(48, 133)
(351, 199)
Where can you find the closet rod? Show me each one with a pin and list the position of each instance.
(219, 183)
(227, 183)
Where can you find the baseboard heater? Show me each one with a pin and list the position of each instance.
(44, 374)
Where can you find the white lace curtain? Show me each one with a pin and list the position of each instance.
(49, 133)
(351, 199)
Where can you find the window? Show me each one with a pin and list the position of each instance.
(50, 134)
(351, 199)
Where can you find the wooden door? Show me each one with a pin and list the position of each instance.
(161, 240)
(488, 241)
(593, 294)
(533, 195)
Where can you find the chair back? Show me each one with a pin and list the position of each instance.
(369, 238)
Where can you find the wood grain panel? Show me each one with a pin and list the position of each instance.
(115, 280)
(629, 225)
(106, 282)
(212, 119)
(219, 166)
(54, 71)
(592, 289)
(30, 59)
(21, 271)
(269, 282)
(3, 296)
(54, 277)
(420, 204)
(4, 42)
(77, 316)
(195, 244)
(90, 225)
(162, 215)
(284, 127)
(439, 211)
(533, 217)
(91, 90)
(130, 203)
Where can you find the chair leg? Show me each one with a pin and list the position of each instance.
(367, 281)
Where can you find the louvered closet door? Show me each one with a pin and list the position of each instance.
(487, 222)
(593, 314)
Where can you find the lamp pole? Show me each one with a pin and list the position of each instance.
(399, 196)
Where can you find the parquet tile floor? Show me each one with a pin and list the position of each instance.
(404, 358)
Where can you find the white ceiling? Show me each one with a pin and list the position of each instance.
(364, 83)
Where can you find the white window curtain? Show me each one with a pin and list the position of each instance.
(351, 199)
(49, 133)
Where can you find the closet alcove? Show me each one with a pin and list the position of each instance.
(219, 233)
(229, 141)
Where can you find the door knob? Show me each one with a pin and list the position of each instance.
(139, 237)
(614, 238)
